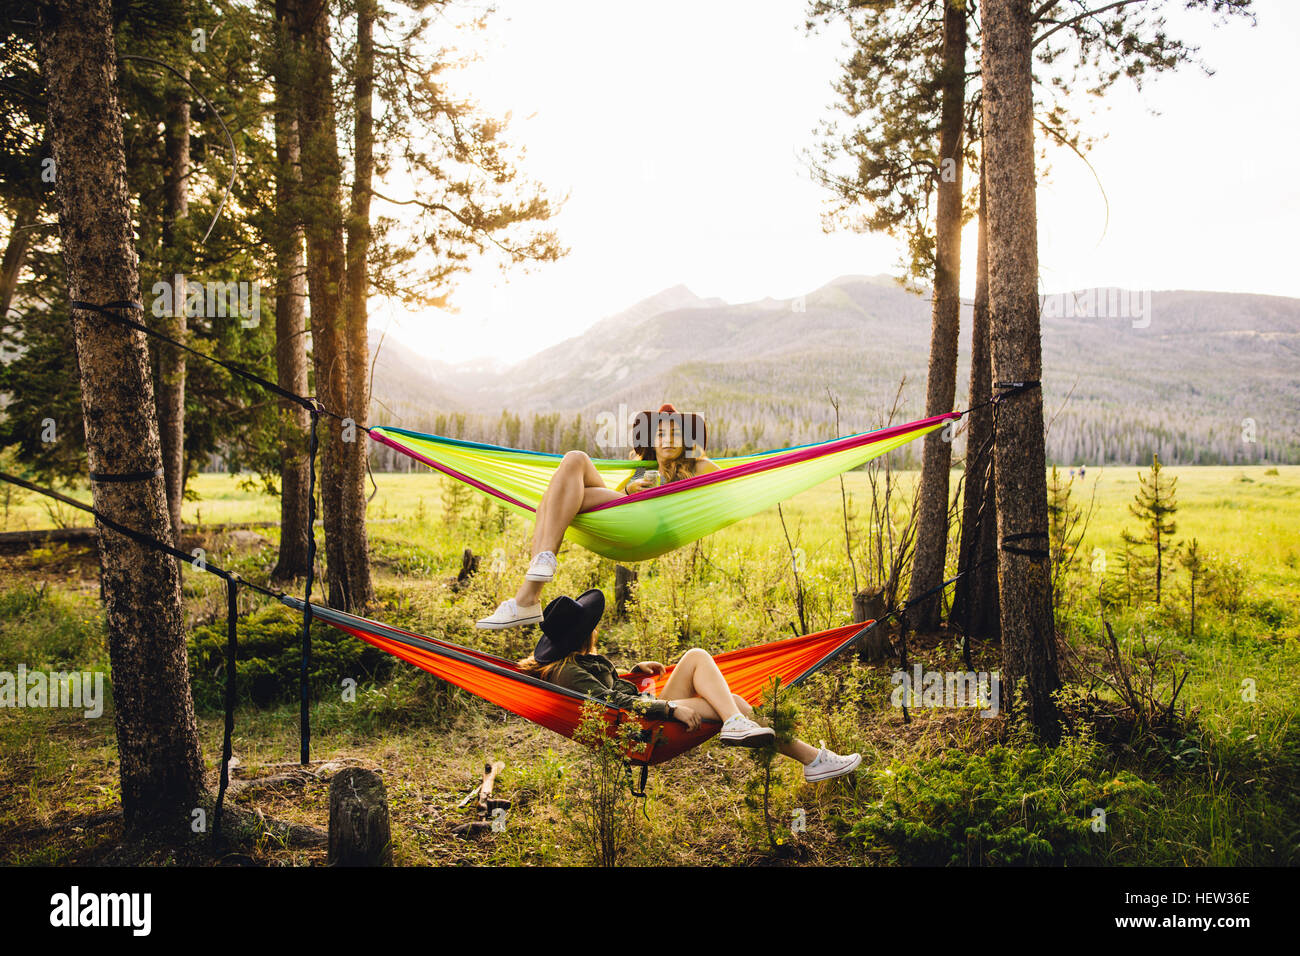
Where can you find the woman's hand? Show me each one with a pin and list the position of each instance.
(686, 714)
(649, 667)
(642, 484)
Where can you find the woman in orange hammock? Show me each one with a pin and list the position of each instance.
(696, 690)
(677, 449)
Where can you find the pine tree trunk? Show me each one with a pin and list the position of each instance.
(354, 493)
(15, 254)
(975, 601)
(321, 187)
(290, 320)
(171, 361)
(157, 741)
(941, 384)
(1024, 580)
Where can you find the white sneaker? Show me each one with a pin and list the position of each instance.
(510, 614)
(828, 764)
(740, 731)
(543, 567)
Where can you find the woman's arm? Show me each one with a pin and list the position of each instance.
(584, 682)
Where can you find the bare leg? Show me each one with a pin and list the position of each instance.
(575, 485)
(696, 679)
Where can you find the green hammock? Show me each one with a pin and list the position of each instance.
(650, 523)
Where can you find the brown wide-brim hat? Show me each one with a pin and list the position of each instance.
(645, 427)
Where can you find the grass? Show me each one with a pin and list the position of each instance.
(1222, 790)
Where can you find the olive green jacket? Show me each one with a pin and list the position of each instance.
(594, 674)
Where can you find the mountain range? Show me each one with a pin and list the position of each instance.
(1197, 377)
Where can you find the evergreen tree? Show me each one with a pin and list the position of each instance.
(1063, 534)
(1154, 505)
(1193, 561)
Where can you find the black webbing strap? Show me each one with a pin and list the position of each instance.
(110, 310)
(232, 649)
(1002, 390)
(638, 791)
(1026, 536)
(126, 476)
(304, 675)
(1011, 388)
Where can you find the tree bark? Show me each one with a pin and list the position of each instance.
(321, 192)
(27, 213)
(171, 361)
(624, 590)
(157, 741)
(15, 254)
(975, 601)
(1020, 471)
(358, 252)
(930, 556)
(290, 318)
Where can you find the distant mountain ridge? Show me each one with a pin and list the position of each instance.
(1190, 375)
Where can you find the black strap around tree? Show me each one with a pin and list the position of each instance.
(1026, 536)
(126, 476)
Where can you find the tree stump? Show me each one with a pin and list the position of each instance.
(624, 579)
(468, 567)
(870, 606)
(359, 832)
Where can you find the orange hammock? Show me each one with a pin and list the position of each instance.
(748, 672)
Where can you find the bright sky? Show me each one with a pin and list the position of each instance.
(679, 129)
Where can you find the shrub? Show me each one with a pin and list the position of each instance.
(269, 659)
(603, 810)
(1030, 805)
(44, 627)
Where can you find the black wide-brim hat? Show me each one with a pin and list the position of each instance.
(567, 625)
(645, 427)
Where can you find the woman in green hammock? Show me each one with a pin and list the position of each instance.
(677, 449)
(695, 691)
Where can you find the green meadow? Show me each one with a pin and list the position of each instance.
(1214, 781)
